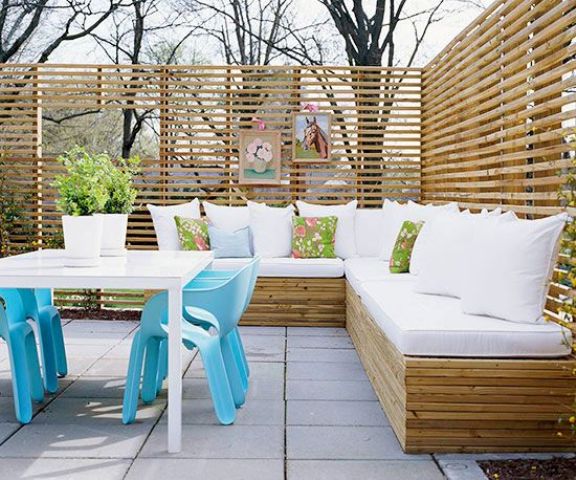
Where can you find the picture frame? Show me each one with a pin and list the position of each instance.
(260, 157)
(311, 137)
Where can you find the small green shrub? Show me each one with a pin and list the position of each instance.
(120, 185)
(93, 183)
(83, 188)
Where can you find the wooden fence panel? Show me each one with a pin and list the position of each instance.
(499, 113)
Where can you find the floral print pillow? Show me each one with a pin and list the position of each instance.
(313, 237)
(400, 259)
(192, 233)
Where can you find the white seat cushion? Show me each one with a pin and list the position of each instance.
(359, 270)
(288, 267)
(431, 325)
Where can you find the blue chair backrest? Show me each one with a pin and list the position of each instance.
(29, 303)
(226, 301)
(43, 296)
(255, 267)
(13, 305)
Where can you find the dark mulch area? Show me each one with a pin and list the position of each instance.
(552, 469)
(100, 314)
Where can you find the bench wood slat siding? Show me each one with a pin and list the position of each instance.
(295, 302)
(464, 405)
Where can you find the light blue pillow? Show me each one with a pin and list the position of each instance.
(227, 244)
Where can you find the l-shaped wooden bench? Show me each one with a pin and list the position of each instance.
(434, 404)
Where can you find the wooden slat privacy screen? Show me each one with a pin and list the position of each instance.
(489, 122)
(200, 110)
(499, 113)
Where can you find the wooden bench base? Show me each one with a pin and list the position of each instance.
(465, 405)
(294, 302)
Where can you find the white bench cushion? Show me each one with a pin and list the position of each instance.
(288, 267)
(430, 325)
(359, 270)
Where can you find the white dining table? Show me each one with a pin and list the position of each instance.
(139, 270)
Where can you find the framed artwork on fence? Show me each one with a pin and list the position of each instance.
(260, 157)
(311, 140)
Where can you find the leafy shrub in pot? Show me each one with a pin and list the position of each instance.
(82, 194)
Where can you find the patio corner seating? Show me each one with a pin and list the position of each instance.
(26, 377)
(449, 382)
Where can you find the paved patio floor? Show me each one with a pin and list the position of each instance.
(311, 414)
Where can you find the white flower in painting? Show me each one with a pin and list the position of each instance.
(267, 155)
(267, 146)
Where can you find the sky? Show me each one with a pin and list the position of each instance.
(460, 14)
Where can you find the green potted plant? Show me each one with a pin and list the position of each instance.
(120, 203)
(82, 194)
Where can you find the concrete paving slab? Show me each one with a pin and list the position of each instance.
(329, 390)
(101, 440)
(326, 371)
(362, 469)
(209, 441)
(344, 443)
(187, 469)
(345, 413)
(319, 341)
(254, 412)
(71, 469)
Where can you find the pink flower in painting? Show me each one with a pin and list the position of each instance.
(257, 141)
(267, 146)
(200, 243)
(300, 231)
(296, 254)
(250, 157)
(252, 147)
(311, 222)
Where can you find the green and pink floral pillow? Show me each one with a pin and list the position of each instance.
(192, 233)
(313, 237)
(402, 252)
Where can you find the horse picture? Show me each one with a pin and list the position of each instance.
(311, 137)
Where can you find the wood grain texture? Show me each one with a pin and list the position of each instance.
(463, 404)
(293, 302)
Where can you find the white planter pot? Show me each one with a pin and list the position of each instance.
(114, 228)
(82, 239)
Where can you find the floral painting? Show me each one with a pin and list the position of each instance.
(311, 137)
(260, 157)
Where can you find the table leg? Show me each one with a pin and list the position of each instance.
(174, 370)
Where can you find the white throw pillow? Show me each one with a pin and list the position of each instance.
(394, 214)
(368, 227)
(226, 218)
(443, 250)
(271, 230)
(418, 252)
(509, 267)
(345, 237)
(165, 225)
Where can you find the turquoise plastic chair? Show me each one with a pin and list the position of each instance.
(205, 279)
(19, 336)
(39, 308)
(226, 300)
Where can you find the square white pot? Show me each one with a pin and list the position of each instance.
(82, 239)
(114, 229)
